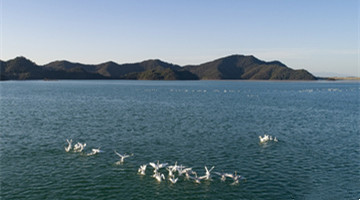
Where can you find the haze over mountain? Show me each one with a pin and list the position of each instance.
(230, 67)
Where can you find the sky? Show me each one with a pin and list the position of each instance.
(321, 36)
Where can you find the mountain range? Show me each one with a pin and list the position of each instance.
(230, 67)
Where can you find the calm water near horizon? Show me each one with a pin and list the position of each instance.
(196, 123)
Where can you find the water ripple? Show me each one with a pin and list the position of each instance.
(316, 157)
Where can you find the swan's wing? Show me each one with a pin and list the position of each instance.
(206, 169)
(118, 154)
(202, 177)
(218, 173)
(181, 168)
(163, 165)
(152, 165)
(211, 168)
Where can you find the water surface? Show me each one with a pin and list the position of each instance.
(197, 123)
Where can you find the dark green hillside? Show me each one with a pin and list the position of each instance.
(158, 64)
(113, 70)
(231, 67)
(2, 70)
(66, 65)
(247, 67)
(21, 68)
(166, 74)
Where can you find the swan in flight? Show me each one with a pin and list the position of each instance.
(122, 157)
(157, 166)
(223, 176)
(173, 180)
(76, 147)
(187, 174)
(94, 151)
(207, 175)
(176, 167)
(142, 169)
(264, 139)
(235, 177)
(170, 171)
(184, 171)
(173, 168)
(79, 147)
(68, 148)
(159, 177)
(196, 178)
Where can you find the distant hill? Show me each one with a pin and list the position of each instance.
(21, 68)
(231, 67)
(247, 67)
(113, 70)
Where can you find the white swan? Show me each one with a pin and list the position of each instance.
(235, 177)
(196, 178)
(159, 177)
(267, 138)
(173, 167)
(231, 175)
(142, 169)
(173, 180)
(223, 177)
(82, 146)
(122, 157)
(79, 147)
(157, 166)
(94, 151)
(184, 171)
(207, 174)
(264, 139)
(68, 148)
(76, 147)
(187, 175)
(170, 171)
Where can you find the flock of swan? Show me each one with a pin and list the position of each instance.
(266, 138)
(174, 171)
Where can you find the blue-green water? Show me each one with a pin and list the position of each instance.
(196, 123)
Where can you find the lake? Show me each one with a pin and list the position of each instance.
(193, 123)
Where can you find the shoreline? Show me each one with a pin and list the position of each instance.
(319, 79)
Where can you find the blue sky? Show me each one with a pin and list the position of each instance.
(316, 35)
